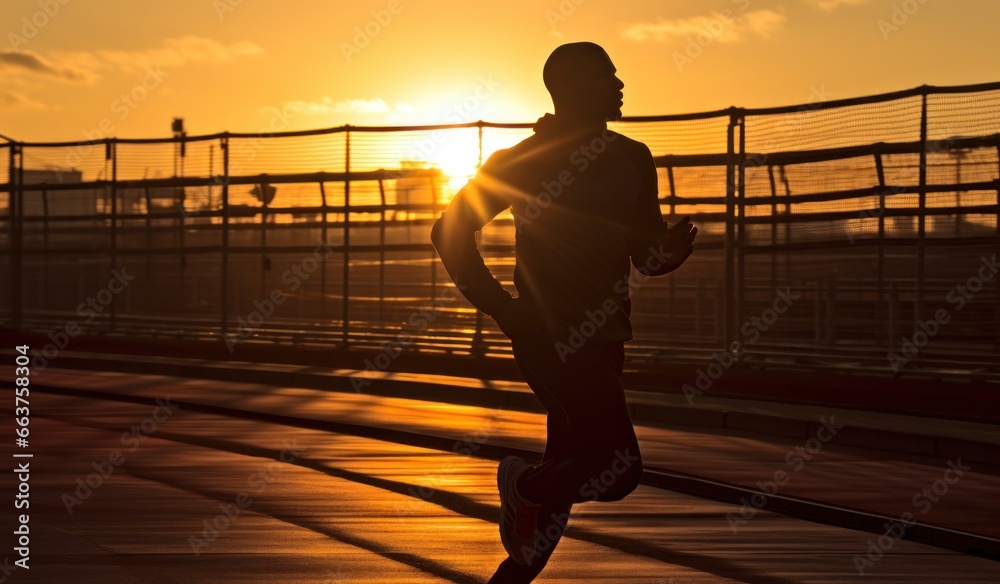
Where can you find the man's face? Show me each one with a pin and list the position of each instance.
(601, 89)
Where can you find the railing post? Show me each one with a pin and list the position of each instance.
(147, 288)
(381, 252)
(224, 146)
(180, 199)
(478, 347)
(741, 283)
(434, 206)
(881, 243)
(346, 316)
(729, 313)
(774, 226)
(265, 264)
(922, 219)
(671, 282)
(16, 179)
(998, 186)
(788, 224)
(111, 151)
(323, 236)
(45, 247)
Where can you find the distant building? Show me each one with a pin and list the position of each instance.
(419, 190)
(161, 199)
(60, 202)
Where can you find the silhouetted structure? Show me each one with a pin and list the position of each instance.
(824, 198)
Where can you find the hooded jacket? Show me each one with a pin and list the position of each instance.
(584, 202)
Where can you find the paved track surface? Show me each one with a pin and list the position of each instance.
(355, 509)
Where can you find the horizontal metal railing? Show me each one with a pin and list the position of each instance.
(203, 269)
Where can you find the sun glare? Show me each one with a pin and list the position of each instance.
(457, 156)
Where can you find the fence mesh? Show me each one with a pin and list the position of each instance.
(869, 214)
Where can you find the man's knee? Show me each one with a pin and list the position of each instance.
(626, 483)
(616, 477)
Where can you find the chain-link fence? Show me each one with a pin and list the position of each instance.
(859, 233)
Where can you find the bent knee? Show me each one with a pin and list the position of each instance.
(625, 484)
(618, 478)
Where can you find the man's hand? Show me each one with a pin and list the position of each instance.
(678, 241)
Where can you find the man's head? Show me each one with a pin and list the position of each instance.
(583, 84)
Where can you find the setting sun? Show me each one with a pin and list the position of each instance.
(458, 157)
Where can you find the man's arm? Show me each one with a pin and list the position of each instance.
(656, 248)
(454, 237)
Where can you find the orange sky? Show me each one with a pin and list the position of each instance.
(97, 68)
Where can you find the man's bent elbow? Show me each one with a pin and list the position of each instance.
(437, 233)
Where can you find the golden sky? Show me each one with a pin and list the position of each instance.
(75, 69)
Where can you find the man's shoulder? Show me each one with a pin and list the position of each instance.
(641, 158)
(534, 150)
(514, 157)
(634, 149)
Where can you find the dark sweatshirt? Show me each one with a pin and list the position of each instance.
(584, 202)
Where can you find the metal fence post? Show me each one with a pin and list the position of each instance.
(147, 287)
(741, 264)
(111, 151)
(922, 219)
(224, 146)
(435, 207)
(45, 247)
(996, 286)
(15, 179)
(346, 315)
(774, 226)
(323, 236)
(381, 252)
(180, 199)
(671, 282)
(265, 264)
(788, 225)
(729, 319)
(998, 187)
(880, 169)
(478, 347)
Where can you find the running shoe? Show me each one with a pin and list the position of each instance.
(518, 517)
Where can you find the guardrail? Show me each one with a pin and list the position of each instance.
(869, 213)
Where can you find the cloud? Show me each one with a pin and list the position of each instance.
(829, 5)
(87, 66)
(326, 105)
(14, 100)
(725, 27)
(11, 60)
(179, 51)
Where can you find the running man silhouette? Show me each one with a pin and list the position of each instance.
(584, 202)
